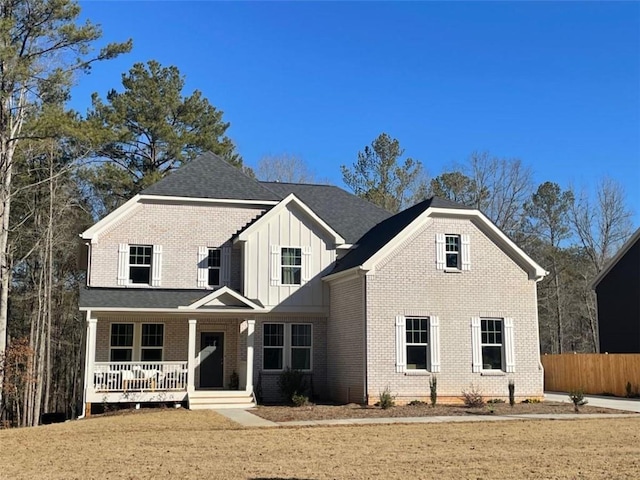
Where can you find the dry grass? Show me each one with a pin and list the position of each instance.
(200, 444)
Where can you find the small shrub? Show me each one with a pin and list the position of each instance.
(531, 400)
(416, 403)
(433, 390)
(577, 397)
(387, 400)
(472, 398)
(495, 400)
(512, 393)
(628, 389)
(234, 381)
(291, 382)
(300, 400)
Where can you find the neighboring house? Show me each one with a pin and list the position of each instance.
(618, 295)
(208, 284)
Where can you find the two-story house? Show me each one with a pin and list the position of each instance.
(209, 284)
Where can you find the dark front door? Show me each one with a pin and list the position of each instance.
(211, 359)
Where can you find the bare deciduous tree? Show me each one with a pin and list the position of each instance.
(286, 168)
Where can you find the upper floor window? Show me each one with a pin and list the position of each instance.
(140, 264)
(213, 265)
(453, 252)
(291, 261)
(452, 248)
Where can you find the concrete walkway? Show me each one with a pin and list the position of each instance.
(616, 403)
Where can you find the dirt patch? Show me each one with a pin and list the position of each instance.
(335, 412)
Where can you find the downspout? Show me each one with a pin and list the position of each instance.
(366, 343)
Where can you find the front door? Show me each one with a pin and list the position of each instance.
(211, 359)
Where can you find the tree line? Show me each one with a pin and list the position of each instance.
(62, 170)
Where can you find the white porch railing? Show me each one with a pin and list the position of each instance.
(139, 376)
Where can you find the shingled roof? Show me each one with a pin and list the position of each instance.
(385, 231)
(347, 214)
(209, 176)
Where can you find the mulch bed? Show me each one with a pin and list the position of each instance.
(333, 412)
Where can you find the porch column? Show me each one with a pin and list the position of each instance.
(251, 326)
(191, 359)
(89, 376)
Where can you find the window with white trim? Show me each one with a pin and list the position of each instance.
(417, 344)
(417, 334)
(152, 342)
(493, 345)
(121, 343)
(301, 346)
(291, 264)
(140, 264)
(287, 346)
(214, 264)
(273, 346)
(452, 251)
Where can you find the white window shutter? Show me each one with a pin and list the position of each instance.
(275, 265)
(123, 264)
(203, 253)
(156, 266)
(226, 265)
(509, 345)
(306, 263)
(440, 254)
(465, 251)
(434, 343)
(476, 344)
(401, 361)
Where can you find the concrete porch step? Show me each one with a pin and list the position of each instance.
(210, 399)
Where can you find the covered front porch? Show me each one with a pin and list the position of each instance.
(202, 354)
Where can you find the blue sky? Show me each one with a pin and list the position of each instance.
(554, 84)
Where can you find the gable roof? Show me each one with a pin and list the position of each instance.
(345, 213)
(616, 258)
(209, 176)
(242, 235)
(377, 241)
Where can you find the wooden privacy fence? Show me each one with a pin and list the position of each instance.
(593, 373)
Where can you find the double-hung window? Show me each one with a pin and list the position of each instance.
(493, 345)
(152, 342)
(417, 344)
(452, 248)
(121, 346)
(143, 341)
(453, 252)
(213, 267)
(287, 346)
(273, 346)
(291, 261)
(140, 264)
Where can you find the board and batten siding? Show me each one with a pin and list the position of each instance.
(290, 228)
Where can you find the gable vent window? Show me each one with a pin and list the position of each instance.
(452, 249)
(291, 266)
